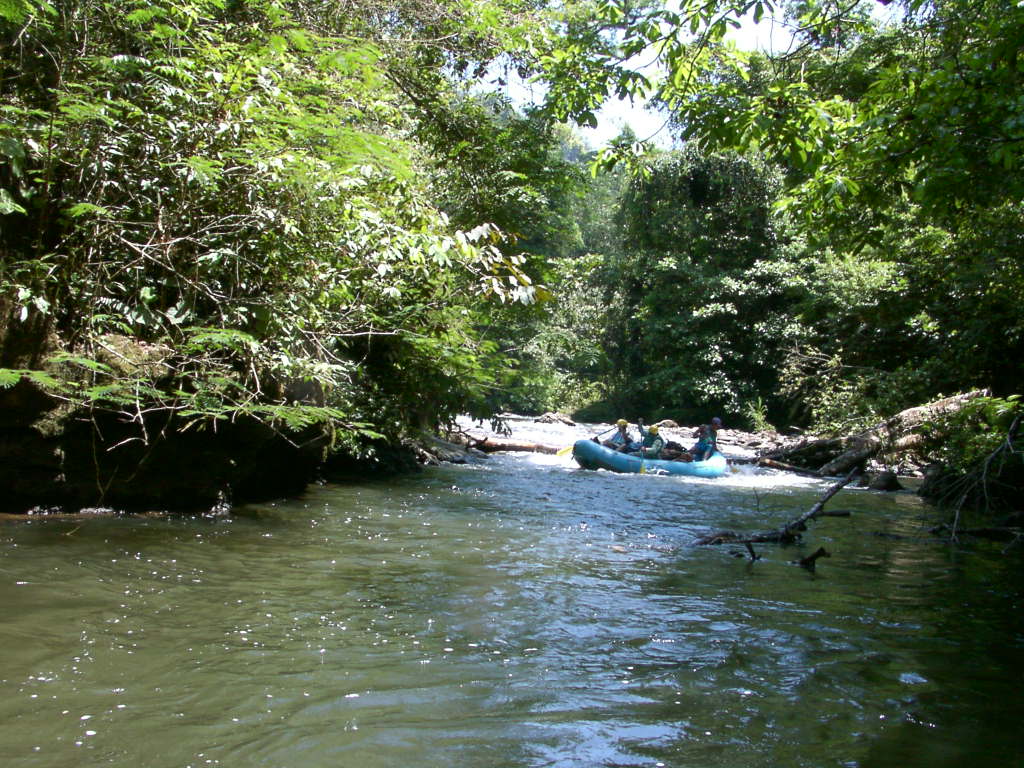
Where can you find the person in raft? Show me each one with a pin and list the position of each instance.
(716, 424)
(651, 442)
(622, 440)
(705, 445)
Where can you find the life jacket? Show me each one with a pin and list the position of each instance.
(652, 444)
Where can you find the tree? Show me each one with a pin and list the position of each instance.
(237, 191)
(900, 144)
(697, 297)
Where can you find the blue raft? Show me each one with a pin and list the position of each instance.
(591, 455)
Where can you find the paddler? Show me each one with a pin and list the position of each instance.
(716, 424)
(651, 442)
(705, 445)
(622, 439)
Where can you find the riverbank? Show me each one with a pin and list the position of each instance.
(57, 458)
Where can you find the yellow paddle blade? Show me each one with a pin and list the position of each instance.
(564, 451)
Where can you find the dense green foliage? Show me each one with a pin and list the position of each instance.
(694, 313)
(896, 251)
(240, 195)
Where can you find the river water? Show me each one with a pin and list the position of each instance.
(511, 612)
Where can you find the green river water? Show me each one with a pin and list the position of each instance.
(515, 612)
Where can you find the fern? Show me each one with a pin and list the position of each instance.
(9, 377)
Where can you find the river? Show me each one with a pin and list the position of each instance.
(514, 611)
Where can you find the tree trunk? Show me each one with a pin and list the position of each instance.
(836, 455)
(492, 444)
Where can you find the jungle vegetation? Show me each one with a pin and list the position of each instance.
(326, 214)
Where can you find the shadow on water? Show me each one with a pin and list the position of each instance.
(515, 612)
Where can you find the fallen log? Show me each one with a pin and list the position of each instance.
(493, 444)
(836, 455)
(731, 537)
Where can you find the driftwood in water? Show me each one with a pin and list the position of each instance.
(818, 509)
(789, 532)
(464, 441)
(836, 455)
(493, 444)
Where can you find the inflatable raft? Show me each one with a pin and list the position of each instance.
(591, 455)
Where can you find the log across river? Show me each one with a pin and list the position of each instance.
(513, 611)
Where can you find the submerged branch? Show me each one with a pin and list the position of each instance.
(789, 532)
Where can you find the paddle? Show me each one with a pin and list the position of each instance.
(568, 448)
